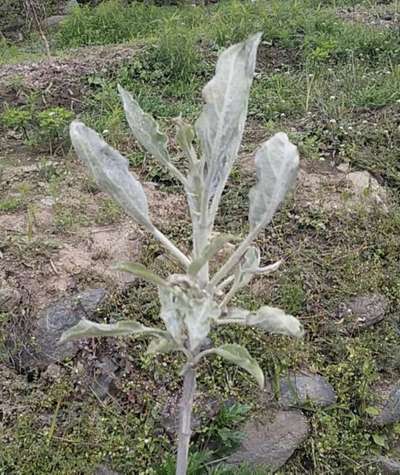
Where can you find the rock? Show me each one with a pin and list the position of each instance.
(9, 298)
(336, 189)
(390, 412)
(300, 388)
(387, 466)
(365, 186)
(69, 6)
(54, 21)
(105, 377)
(44, 348)
(53, 372)
(271, 442)
(104, 470)
(344, 167)
(363, 311)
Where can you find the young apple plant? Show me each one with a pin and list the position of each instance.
(194, 301)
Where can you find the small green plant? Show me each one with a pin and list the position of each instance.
(53, 124)
(192, 302)
(16, 118)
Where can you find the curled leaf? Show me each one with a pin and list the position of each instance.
(239, 355)
(144, 128)
(248, 267)
(186, 315)
(87, 329)
(275, 320)
(277, 163)
(110, 170)
(185, 138)
(146, 131)
(161, 345)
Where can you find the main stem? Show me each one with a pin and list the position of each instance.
(185, 427)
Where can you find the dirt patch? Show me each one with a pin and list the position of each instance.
(381, 16)
(60, 81)
(271, 57)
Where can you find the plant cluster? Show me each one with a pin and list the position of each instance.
(49, 125)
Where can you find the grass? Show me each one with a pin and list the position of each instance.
(334, 86)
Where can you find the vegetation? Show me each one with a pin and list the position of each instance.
(332, 82)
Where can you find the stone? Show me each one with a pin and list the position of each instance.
(363, 311)
(9, 298)
(54, 21)
(43, 347)
(387, 466)
(344, 167)
(300, 388)
(270, 442)
(104, 378)
(390, 412)
(69, 6)
(104, 470)
(364, 185)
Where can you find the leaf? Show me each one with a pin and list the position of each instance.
(372, 411)
(221, 123)
(275, 320)
(277, 162)
(139, 270)
(144, 128)
(379, 440)
(248, 267)
(110, 170)
(185, 138)
(240, 356)
(86, 329)
(171, 314)
(209, 252)
(161, 345)
(201, 313)
(187, 316)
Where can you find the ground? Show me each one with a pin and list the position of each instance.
(328, 75)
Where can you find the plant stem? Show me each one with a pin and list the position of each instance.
(185, 429)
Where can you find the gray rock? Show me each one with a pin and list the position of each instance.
(104, 470)
(363, 311)
(387, 466)
(54, 21)
(104, 378)
(9, 298)
(390, 412)
(300, 388)
(69, 6)
(271, 442)
(43, 347)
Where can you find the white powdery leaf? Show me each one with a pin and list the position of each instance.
(221, 123)
(249, 266)
(187, 316)
(201, 313)
(88, 329)
(161, 346)
(241, 357)
(110, 170)
(172, 305)
(277, 163)
(275, 320)
(144, 127)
